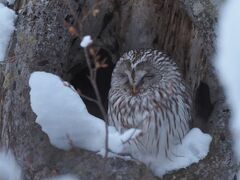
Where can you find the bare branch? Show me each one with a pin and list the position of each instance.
(93, 72)
(94, 10)
(87, 97)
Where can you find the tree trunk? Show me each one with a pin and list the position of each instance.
(184, 29)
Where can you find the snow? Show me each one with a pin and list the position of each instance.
(86, 41)
(227, 63)
(64, 177)
(194, 147)
(9, 169)
(64, 118)
(7, 17)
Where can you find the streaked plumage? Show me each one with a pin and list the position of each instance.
(148, 92)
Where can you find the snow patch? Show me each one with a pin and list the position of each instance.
(9, 169)
(86, 41)
(64, 117)
(195, 146)
(227, 63)
(7, 18)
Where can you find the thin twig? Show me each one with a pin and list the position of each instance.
(93, 72)
(87, 98)
(79, 21)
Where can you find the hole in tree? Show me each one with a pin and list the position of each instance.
(81, 82)
(203, 104)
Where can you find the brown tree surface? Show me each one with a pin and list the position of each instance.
(184, 29)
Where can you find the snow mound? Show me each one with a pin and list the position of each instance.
(194, 147)
(7, 18)
(64, 118)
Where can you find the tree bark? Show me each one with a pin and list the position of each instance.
(184, 29)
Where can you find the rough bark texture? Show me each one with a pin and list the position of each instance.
(184, 29)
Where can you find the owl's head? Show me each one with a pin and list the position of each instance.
(138, 71)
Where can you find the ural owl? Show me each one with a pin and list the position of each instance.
(147, 92)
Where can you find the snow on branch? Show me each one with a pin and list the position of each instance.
(7, 18)
(64, 118)
(227, 63)
(86, 41)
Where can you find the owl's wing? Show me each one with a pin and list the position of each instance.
(176, 119)
(168, 121)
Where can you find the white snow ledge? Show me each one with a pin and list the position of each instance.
(64, 118)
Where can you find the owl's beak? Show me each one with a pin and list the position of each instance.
(134, 90)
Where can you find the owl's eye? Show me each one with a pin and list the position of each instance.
(149, 75)
(122, 75)
(123, 78)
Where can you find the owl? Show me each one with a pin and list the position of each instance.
(148, 93)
